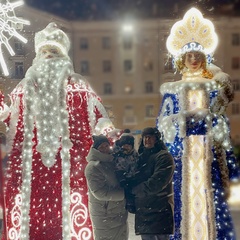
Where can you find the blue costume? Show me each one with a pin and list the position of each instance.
(195, 129)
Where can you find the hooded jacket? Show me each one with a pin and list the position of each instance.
(106, 198)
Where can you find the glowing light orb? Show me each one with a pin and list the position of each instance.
(8, 22)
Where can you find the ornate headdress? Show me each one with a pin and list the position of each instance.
(53, 36)
(192, 33)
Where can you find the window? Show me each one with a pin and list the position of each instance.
(84, 67)
(148, 87)
(150, 111)
(168, 66)
(235, 39)
(127, 42)
(83, 43)
(19, 69)
(236, 84)
(148, 65)
(107, 88)
(107, 66)
(128, 65)
(129, 118)
(129, 109)
(106, 42)
(235, 108)
(235, 63)
(18, 48)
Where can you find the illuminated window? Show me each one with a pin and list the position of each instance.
(235, 39)
(19, 69)
(236, 84)
(84, 43)
(85, 69)
(149, 111)
(235, 108)
(106, 42)
(107, 66)
(148, 87)
(107, 88)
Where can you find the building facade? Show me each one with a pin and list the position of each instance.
(126, 62)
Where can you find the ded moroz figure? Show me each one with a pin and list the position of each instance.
(51, 120)
(194, 127)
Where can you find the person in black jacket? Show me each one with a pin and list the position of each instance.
(152, 187)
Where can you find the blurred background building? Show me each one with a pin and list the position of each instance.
(126, 61)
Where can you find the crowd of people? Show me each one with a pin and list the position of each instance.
(67, 160)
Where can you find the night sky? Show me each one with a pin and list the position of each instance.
(113, 9)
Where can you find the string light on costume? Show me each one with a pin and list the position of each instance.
(8, 19)
(197, 207)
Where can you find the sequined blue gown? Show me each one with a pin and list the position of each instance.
(195, 129)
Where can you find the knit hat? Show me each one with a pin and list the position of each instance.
(98, 140)
(151, 131)
(53, 36)
(126, 138)
(154, 132)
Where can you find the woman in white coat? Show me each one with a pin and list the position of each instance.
(106, 197)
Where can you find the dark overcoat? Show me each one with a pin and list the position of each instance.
(153, 191)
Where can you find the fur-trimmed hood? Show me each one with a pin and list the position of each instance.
(95, 155)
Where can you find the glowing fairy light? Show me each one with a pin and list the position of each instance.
(8, 20)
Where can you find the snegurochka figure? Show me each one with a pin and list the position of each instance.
(195, 128)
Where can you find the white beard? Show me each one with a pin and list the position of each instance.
(45, 105)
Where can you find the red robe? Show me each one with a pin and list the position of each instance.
(55, 202)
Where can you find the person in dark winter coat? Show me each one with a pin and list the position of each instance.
(153, 189)
(126, 158)
(106, 197)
